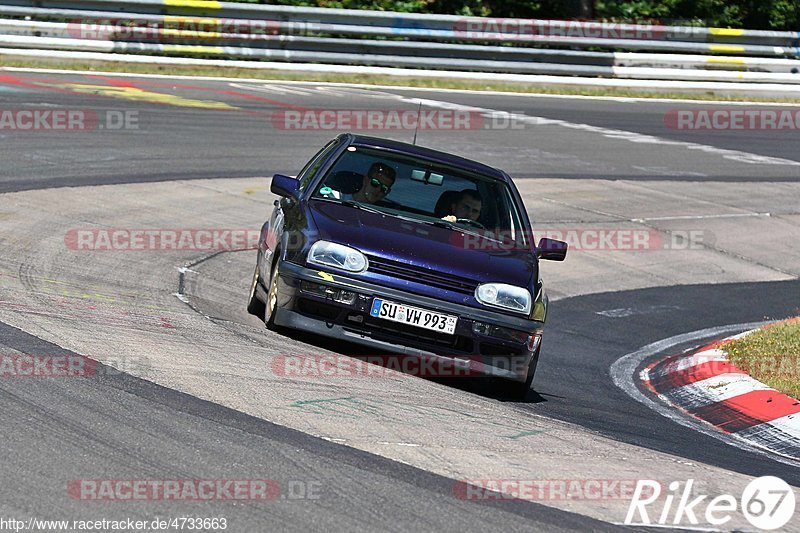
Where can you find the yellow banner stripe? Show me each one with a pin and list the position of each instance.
(726, 48)
(196, 4)
(185, 49)
(170, 20)
(729, 60)
(168, 32)
(726, 32)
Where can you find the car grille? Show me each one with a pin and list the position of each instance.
(425, 276)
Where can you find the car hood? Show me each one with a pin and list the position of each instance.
(422, 245)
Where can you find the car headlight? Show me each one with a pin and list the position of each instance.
(504, 296)
(331, 254)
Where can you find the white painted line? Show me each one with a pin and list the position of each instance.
(700, 217)
(623, 374)
(344, 92)
(630, 136)
(300, 91)
(740, 335)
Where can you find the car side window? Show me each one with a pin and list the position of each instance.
(308, 173)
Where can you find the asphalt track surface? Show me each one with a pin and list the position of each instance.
(118, 424)
(114, 424)
(185, 141)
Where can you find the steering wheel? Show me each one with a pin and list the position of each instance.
(470, 222)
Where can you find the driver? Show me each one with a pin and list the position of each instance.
(377, 183)
(466, 205)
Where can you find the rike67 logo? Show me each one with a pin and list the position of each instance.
(767, 503)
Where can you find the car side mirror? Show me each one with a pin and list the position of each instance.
(551, 249)
(285, 186)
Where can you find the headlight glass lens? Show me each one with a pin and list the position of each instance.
(504, 296)
(331, 254)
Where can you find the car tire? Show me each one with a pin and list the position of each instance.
(519, 391)
(254, 305)
(272, 297)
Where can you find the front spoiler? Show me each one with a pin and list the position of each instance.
(287, 316)
(294, 320)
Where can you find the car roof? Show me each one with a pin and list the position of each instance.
(428, 153)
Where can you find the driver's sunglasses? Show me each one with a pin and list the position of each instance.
(375, 182)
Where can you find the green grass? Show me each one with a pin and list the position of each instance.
(441, 83)
(771, 355)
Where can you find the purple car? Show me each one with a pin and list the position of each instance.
(409, 251)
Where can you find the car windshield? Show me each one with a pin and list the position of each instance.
(424, 190)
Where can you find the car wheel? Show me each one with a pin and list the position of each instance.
(519, 391)
(272, 298)
(254, 305)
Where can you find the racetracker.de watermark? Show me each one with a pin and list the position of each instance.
(734, 119)
(45, 365)
(67, 120)
(224, 239)
(509, 29)
(544, 489)
(589, 239)
(395, 119)
(380, 366)
(170, 240)
(192, 490)
(185, 28)
(785, 366)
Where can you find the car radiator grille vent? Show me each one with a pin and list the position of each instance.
(421, 275)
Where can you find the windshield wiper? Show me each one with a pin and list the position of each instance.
(349, 203)
(454, 227)
(358, 205)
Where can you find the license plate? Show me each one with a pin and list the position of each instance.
(414, 316)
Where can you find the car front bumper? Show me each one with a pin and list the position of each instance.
(334, 305)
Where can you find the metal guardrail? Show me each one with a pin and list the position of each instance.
(420, 27)
(193, 28)
(354, 51)
(420, 24)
